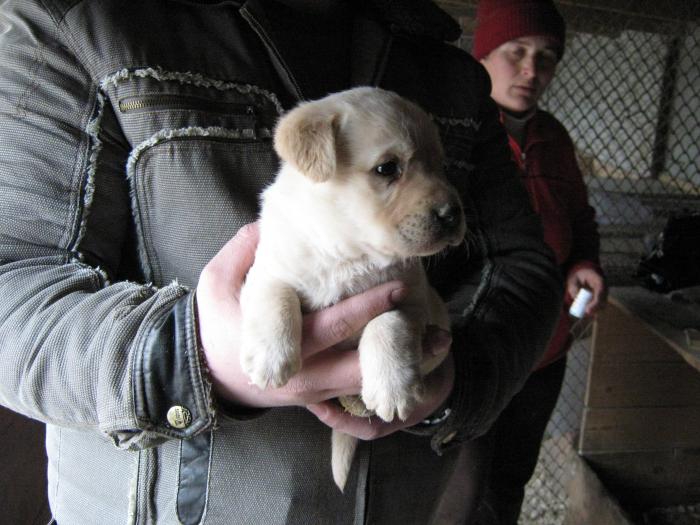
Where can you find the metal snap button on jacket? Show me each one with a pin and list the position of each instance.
(179, 417)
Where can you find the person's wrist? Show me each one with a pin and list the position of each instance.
(443, 376)
(439, 415)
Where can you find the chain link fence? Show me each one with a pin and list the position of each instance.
(627, 90)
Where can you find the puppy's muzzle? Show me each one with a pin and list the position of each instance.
(449, 219)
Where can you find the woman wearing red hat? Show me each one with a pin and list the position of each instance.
(520, 43)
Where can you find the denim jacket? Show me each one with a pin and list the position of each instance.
(134, 140)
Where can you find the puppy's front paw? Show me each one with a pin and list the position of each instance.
(395, 395)
(269, 362)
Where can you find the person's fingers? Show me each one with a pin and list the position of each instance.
(218, 309)
(335, 416)
(592, 305)
(330, 326)
(245, 243)
(596, 284)
(337, 372)
(327, 375)
(236, 257)
(438, 387)
(365, 428)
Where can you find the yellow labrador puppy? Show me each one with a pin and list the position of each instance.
(360, 196)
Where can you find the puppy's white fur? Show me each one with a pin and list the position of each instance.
(359, 197)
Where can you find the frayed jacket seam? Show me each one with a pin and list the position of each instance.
(191, 131)
(92, 130)
(188, 77)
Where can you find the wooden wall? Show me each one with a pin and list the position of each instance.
(641, 421)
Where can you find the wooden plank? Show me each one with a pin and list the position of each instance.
(650, 469)
(458, 8)
(608, 17)
(641, 424)
(642, 499)
(660, 384)
(652, 478)
(620, 337)
(638, 429)
(667, 318)
(680, 11)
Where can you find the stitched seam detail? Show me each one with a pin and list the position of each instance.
(179, 480)
(187, 77)
(260, 31)
(58, 469)
(206, 490)
(212, 435)
(208, 483)
(199, 370)
(76, 230)
(38, 61)
(55, 13)
(92, 129)
(132, 510)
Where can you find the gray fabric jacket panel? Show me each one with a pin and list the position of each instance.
(135, 141)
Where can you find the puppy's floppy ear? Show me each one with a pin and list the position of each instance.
(306, 138)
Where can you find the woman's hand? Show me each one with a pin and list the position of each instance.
(588, 278)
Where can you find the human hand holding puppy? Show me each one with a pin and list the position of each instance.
(328, 371)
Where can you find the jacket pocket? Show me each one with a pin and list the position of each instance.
(192, 189)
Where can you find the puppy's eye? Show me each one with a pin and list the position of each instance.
(388, 169)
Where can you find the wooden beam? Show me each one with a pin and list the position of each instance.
(607, 17)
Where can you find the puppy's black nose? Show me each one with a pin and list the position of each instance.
(448, 216)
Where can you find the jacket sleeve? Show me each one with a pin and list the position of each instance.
(80, 347)
(504, 312)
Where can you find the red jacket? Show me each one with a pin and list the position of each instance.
(559, 196)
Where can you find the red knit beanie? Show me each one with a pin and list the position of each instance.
(498, 21)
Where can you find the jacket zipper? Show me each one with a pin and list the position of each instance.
(163, 101)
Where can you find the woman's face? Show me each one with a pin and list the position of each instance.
(520, 71)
